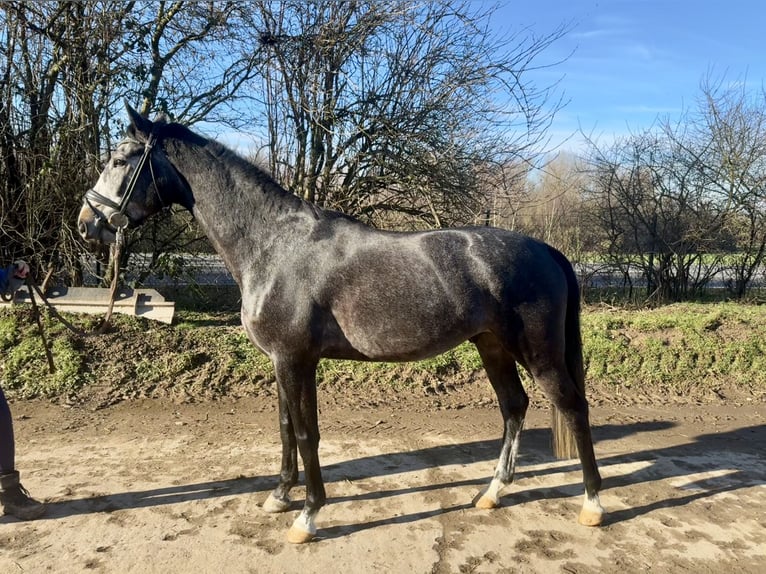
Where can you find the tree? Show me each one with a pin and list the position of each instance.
(393, 111)
(654, 207)
(65, 68)
(55, 61)
(190, 60)
(554, 209)
(375, 108)
(733, 121)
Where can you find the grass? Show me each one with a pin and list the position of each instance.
(24, 365)
(679, 349)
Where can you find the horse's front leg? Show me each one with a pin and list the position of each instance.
(279, 500)
(296, 378)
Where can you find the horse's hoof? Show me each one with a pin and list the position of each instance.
(486, 503)
(274, 505)
(592, 513)
(299, 536)
(590, 518)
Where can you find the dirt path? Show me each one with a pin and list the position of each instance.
(156, 487)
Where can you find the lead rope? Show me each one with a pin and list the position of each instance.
(48, 354)
(116, 253)
(52, 310)
(33, 288)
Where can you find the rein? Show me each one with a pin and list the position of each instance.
(31, 286)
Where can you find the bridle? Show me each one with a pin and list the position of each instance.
(119, 220)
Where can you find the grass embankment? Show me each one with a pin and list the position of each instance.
(695, 350)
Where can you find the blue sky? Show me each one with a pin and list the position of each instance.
(635, 60)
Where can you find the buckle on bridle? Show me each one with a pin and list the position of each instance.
(118, 220)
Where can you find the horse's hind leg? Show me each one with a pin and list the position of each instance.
(567, 398)
(504, 377)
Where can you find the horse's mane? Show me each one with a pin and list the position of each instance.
(180, 132)
(172, 130)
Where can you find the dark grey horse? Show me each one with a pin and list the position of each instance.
(319, 284)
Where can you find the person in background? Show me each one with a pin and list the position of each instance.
(14, 498)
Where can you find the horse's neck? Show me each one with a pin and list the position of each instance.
(243, 215)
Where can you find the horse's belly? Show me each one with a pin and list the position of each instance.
(406, 310)
(407, 339)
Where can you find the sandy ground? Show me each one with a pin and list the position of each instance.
(153, 486)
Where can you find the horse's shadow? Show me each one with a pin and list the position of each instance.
(698, 455)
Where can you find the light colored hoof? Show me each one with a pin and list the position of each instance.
(486, 503)
(303, 529)
(299, 536)
(590, 518)
(592, 512)
(274, 505)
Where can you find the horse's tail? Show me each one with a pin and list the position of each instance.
(564, 444)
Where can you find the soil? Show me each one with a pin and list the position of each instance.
(156, 485)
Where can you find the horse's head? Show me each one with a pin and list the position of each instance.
(137, 182)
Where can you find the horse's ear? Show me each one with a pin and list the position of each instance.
(138, 123)
(161, 118)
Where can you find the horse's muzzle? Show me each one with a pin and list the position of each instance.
(93, 228)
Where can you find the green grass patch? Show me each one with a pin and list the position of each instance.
(681, 348)
(684, 349)
(24, 365)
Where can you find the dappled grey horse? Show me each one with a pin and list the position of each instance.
(317, 284)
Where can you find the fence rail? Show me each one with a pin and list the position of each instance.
(209, 270)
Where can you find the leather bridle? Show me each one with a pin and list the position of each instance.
(119, 220)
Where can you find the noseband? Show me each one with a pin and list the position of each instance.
(119, 220)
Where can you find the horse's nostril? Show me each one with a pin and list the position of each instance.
(83, 228)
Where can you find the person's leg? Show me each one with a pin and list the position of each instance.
(14, 498)
(7, 445)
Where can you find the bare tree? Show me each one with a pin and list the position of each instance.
(55, 64)
(685, 200)
(390, 106)
(389, 110)
(733, 120)
(506, 190)
(189, 59)
(65, 68)
(555, 204)
(657, 214)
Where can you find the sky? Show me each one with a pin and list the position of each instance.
(625, 63)
(633, 61)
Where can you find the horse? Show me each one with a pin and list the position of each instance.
(319, 284)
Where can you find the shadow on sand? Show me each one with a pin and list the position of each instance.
(700, 454)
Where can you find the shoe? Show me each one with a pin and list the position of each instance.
(15, 499)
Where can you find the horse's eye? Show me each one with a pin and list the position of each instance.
(118, 162)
